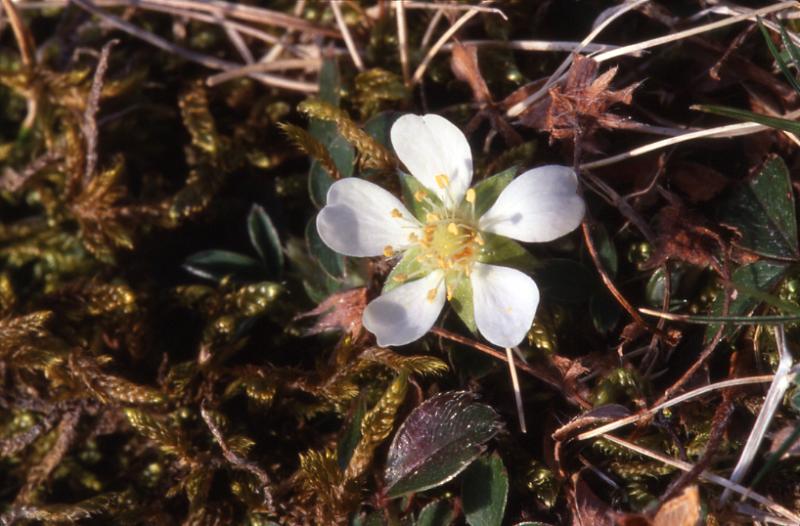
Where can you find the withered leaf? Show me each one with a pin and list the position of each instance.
(684, 236)
(582, 103)
(587, 508)
(341, 311)
(464, 63)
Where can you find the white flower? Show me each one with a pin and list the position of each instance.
(446, 247)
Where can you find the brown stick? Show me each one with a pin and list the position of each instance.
(494, 353)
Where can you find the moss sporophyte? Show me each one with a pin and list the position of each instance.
(449, 241)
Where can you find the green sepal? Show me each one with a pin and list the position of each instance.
(462, 301)
(411, 186)
(505, 252)
(488, 190)
(408, 266)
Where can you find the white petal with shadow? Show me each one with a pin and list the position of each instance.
(406, 313)
(540, 205)
(430, 145)
(358, 219)
(505, 302)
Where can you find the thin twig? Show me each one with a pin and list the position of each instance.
(452, 30)
(719, 132)
(520, 107)
(609, 283)
(27, 48)
(235, 460)
(716, 479)
(478, 346)
(616, 424)
(512, 368)
(428, 35)
(680, 35)
(193, 56)
(410, 4)
(90, 113)
(402, 38)
(781, 382)
(260, 67)
(348, 39)
(534, 45)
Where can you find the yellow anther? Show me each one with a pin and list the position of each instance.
(430, 217)
(449, 292)
(400, 278)
(478, 239)
(420, 195)
(388, 251)
(432, 295)
(442, 181)
(396, 213)
(413, 237)
(453, 229)
(470, 197)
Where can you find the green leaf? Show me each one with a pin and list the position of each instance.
(462, 303)
(330, 261)
(763, 211)
(565, 280)
(379, 127)
(484, 491)
(778, 58)
(407, 269)
(216, 264)
(605, 311)
(436, 513)
(748, 116)
(342, 152)
(762, 276)
(438, 440)
(605, 248)
(499, 250)
(487, 191)
(352, 434)
(789, 46)
(264, 238)
(410, 186)
(330, 81)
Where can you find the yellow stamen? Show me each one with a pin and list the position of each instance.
(396, 213)
(442, 181)
(478, 239)
(388, 251)
(413, 237)
(453, 229)
(432, 295)
(420, 195)
(400, 278)
(470, 197)
(449, 292)
(430, 217)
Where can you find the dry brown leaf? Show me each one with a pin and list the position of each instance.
(581, 103)
(587, 508)
(340, 312)
(699, 182)
(464, 63)
(683, 236)
(683, 510)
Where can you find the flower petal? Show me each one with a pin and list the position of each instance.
(430, 145)
(505, 301)
(407, 312)
(539, 205)
(362, 219)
